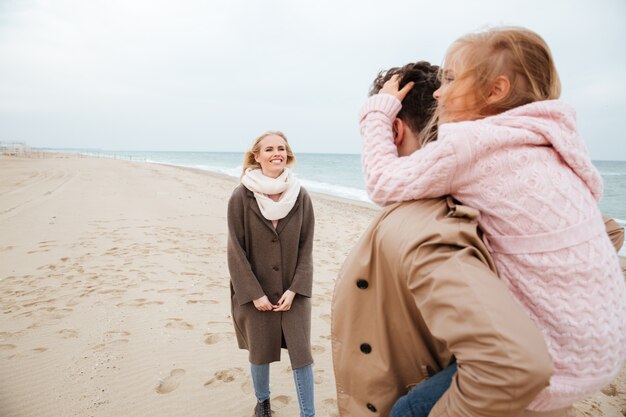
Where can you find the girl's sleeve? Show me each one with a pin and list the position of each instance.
(245, 283)
(426, 173)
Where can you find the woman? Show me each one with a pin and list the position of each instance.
(270, 242)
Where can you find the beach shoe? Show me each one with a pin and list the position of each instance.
(262, 409)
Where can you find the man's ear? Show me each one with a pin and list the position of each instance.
(499, 90)
(398, 131)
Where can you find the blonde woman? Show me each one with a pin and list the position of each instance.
(270, 242)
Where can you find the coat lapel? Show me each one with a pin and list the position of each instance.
(283, 222)
(254, 206)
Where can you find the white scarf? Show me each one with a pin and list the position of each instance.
(262, 186)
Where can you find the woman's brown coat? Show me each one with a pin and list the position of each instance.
(267, 261)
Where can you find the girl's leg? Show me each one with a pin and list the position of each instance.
(303, 378)
(422, 398)
(261, 381)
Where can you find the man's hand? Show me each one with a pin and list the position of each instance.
(263, 304)
(284, 304)
(392, 86)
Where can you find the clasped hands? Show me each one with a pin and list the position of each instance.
(284, 304)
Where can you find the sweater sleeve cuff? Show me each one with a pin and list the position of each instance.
(382, 103)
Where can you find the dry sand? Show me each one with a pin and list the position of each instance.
(115, 301)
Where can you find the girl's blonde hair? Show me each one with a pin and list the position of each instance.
(517, 53)
(248, 158)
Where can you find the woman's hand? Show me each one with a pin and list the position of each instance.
(263, 304)
(392, 86)
(284, 304)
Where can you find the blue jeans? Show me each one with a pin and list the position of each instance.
(420, 399)
(303, 378)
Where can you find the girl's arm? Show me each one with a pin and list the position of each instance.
(426, 173)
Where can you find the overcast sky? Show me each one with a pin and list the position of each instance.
(206, 75)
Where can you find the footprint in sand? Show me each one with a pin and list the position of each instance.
(325, 317)
(213, 338)
(226, 375)
(318, 349)
(139, 302)
(318, 376)
(178, 324)
(280, 401)
(118, 333)
(329, 405)
(68, 333)
(246, 387)
(7, 346)
(203, 302)
(171, 290)
(40, 349)
(170, 383)
(114, 291)
(112, 344)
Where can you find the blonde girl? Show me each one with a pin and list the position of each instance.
(507, 146)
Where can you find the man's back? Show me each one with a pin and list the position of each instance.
(418, 288)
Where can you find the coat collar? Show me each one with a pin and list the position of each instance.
(281, 223)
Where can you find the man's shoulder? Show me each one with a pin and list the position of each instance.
(427, 216)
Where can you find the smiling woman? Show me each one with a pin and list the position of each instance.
(272, 144)
(270, 243)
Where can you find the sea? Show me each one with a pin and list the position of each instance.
(340, 174)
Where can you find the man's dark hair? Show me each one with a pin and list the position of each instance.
(419, 104)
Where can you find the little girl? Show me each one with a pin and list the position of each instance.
(509, 148)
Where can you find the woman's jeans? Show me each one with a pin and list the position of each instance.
(421, 399)
(303, 378)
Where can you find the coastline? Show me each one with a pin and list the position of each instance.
(114, 291)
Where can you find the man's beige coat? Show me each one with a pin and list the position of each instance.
(418, 289)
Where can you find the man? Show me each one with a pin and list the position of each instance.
(419, 294)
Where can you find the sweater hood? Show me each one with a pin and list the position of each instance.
(541, 123)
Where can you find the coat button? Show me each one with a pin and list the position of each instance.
(366, 348)
(275, 268)
(371, 407)
(362, 284)
(275, 239)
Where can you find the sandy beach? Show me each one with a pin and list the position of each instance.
(114, 293)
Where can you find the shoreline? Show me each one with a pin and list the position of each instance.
(114, 294)
(124, 157)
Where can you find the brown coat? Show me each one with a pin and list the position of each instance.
(418, 289)
(267, 261)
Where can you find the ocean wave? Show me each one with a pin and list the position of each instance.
(336, 190)
(231, 172)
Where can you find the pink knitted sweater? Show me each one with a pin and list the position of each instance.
(528, 172)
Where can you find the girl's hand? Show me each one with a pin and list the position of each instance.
(392, 86)
(263, 304)
(284, 304)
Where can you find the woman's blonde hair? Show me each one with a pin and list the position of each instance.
(248, 158)
(517, 53)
